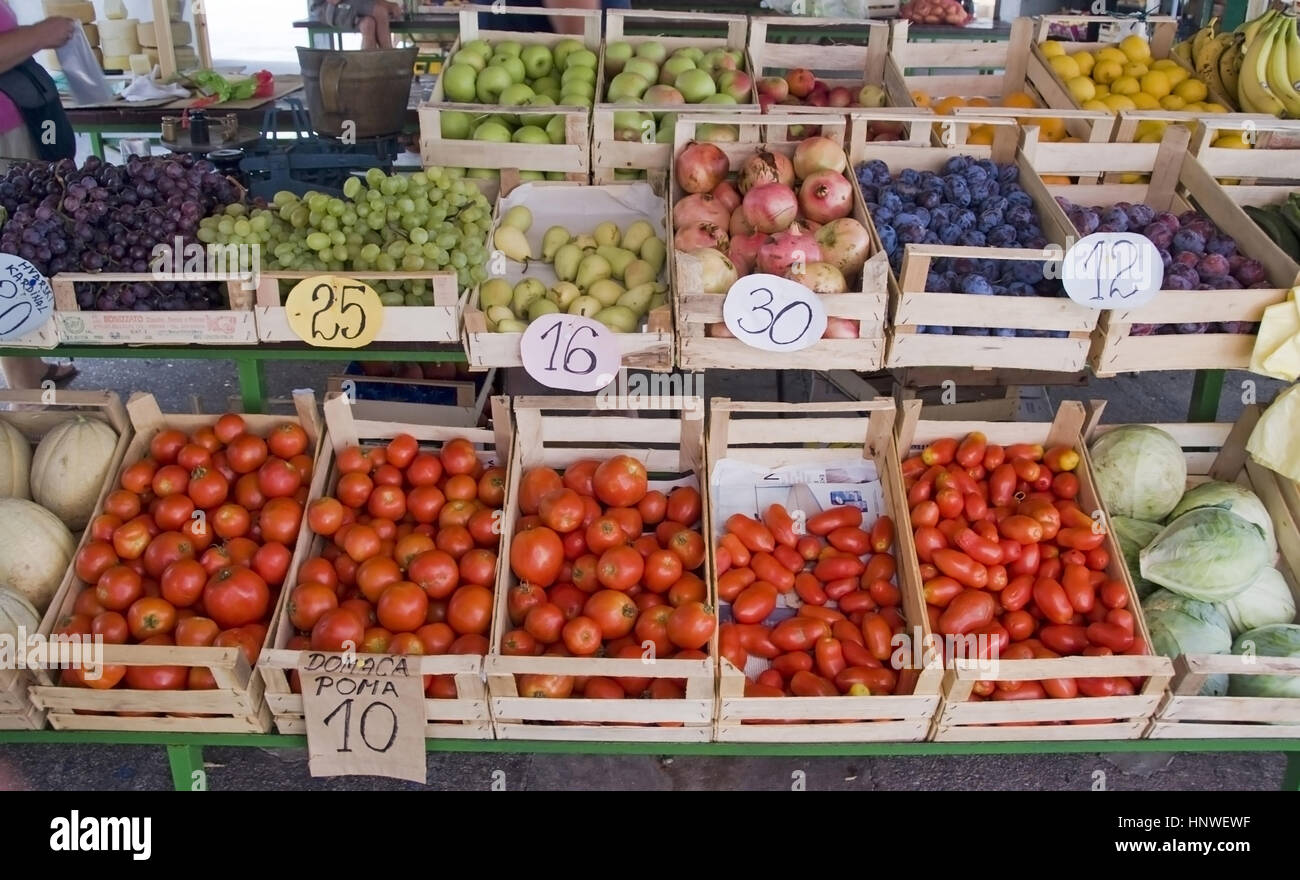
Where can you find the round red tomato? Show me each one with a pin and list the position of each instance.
(485, 527)
(535, 484)
(276, 478)
(458, 457)
(118, 587)
(470, 609)
(208, 487)
(271, 562)
(195, 632)
(577, 476)
(246, 453)
(410, 546)
(519, 643)
(387, 475)
(138, 478)
(425, 503)
(93, 559)
(236, 595)
(228, 427)
(604, 533)
(172, 512)
(402, 607)
(582, 636)
(150, 617)
(387, 502)
(171, 479)
(478, 566)
(691, 625)
(652, 507)
(376, 574)
(193, 456)
(182, 582)
(231, 521)
(620, 568)
(157, 678)
(556, 687)
(354, 489)
(436, 572)
(456, 513)
(562, 510)
(88, 603)
(166, 445)
(324, 516)
(111, 627)
(620, 481)
(689, 545)
(663, 568)
(614, 612)
(537, 556)
(164, 550)
(287, 440)
(545, 622)
(308, 602)
(684, 505)
(279, 520)
(492, 487)
(424, 470)
(460, 487)
(652, 626)
(338, 629)
(522, 597)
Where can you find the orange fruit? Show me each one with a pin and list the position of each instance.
(946, 106)
(920, 98)
(1022, 100)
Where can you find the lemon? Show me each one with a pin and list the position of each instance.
(1085, 62)
(1136, 48)
(1119, 102)
(1065, 66)
(1151, 126)
(1191, 90)
(1096, 105)
(1232, 140)
(1125, 85)
(1172, 102)
(945, 107)
(1164, 64)
(1156, 84)
(1145, 101)
(1135, 70)
(1102, 91)
(1106, 72)
(1134, 177)
(1174, 74)
(1052, 48)
(1150, 137)
(1081, 88)
(1211, 107)
(1110, 53)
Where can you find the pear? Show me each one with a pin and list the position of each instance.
(514, 325)
(555, 238)
(637, 298)
(526, 293)
(657, 300)
(519, 217)
(563, 293)
(636, 235)
(497, 314)
(494, 292)
(592, 269)
(511, 242)
(607, 290)
(618, 258)
(654, 253)
(567, 259)
(607, 234)
(586, 306)
(586, 242)
(638, 272)
(620, 319)
(541, 307)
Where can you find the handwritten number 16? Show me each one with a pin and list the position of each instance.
(570, 350)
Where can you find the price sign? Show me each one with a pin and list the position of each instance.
(365, 715)
(26, 298)
(332, 312)
(570, 352)
(774, 313)
(1112, 270)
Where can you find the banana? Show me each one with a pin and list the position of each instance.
(1230, 65)
(1252, 29)
(1253, 88)
(1279, 80)
(1207, 62)
(1293, 53)
(1203, 36)
(1183, 52)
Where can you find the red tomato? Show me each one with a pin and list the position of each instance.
(271, 562)
(111, 626)
(620, 568)
(561, 510)
(581, 636)
(246, 453)
(387, 502)
(968, 611)
(662, 569)
(492, 487)
(691, 625)
(653, 507)
(522, 597)
(478, 566)
(235, 596)
(402, 607)
(425, 469)
(276, 478)
(469, 611)
(150, 617)
(535, 484)
(308, 602)
(122, 504)
(196, 632)
(183, 581)
(755, 603)
(537, 555)
(621, 481)
(231, 521)
(94, 558)
(118, 587)
(338, 629)
(458, 457)
(436, 572)
(614, 612)
(684, 505)
(425, 503)
(156, 678)
(689, 545)
(166, 445)
(578, 476)
(279, 520)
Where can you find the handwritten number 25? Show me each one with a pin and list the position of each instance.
(326, 292)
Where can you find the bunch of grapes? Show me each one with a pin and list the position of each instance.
(428, 221)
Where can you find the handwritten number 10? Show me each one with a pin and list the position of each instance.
(346, 708)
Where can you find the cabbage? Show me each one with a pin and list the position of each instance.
(1133, 535)
(1232, 497)
(1140, 471)
(1267, 600)
(1179, 625)
(1274, 640)
(1207, 554)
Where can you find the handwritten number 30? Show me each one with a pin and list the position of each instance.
(773, 320)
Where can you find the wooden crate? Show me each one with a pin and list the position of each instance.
(466, 409)
(609, 154)
(572, 158)
(695, 310)
(777, 435)
(837, 63)
(1123, 717)
(237, 704)
(351, 424)
(439, 322)
(555, 432)
(34, 414)
(913, 306)
(232, 326)
(1263, 175)
(648, 349)
(1218, 452)
(1177, 182)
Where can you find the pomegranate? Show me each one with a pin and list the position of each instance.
(744, 251)
(700, 235)
(817, 154)
(826, 196)
(701, 167)
(765, 167)
(726, 193)
(717, 273)
(818, 277)
(781, 251)
(700, 208)
(739, 225)
(841, 328)
(770, 207)
(845, 244)
(801, 82)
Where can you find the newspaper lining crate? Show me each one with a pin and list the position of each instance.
(1218, 452)
(848, 64)
(232, 326)
(778, 435)
(1116, 717)
(913, 306)
(439, 322)
(237, 704)
(556, 432)
(33, 414)
(609, 154)
(572, 158)
(650, 348)
(465, 717)
(1177, 183)
(695, 310)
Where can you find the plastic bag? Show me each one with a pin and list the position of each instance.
(85, 77)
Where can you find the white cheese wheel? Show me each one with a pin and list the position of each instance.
(119, 29)
(147, 33)
(114, 9)
(82, 11)
(92, 34)
(117, 62)
(140, 65)
(185, 56)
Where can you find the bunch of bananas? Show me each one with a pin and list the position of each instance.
(1258, 64)
(1281, 223)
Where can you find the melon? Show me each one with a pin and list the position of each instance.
(16, 611)
(35, 550)
(69, 468)
(15, 462)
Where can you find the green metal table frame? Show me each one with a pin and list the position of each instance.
(185, 750)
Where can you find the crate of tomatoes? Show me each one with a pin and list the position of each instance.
(399, 557)
(1024, 584)
(604, 625)
(179, 571)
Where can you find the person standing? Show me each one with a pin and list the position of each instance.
(542, 23)
(370, 17)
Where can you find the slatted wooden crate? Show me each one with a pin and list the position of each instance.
(913, 306)
(774, 435)
(1079, 718)
(439, 322)
(1217, 451)
(465, 406)
(237, 704)
(850, 64)
(556, 432)
(1177, 182)
(1267, 173)
(232, 326)
(348, 424)
(572, 158)
(696, 310)
(34, 414)
(609, 154)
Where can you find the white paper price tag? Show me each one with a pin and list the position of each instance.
(774, 313)
(1112, 270)
(26, 298)
(570, 352)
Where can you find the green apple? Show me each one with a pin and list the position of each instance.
(718, 60)
(663, 95)
(616, 55)
(458, 83)
(478, 47)
(581, 58)
(653, 51)
(535, 119)
(547, 85)
(491, 83)
(532, 175)
(572, 100)
(695, 53)
(515, 95)
(563, 49)
(695, 85)
(555, 129)
(509, 47)
(629, 174)
(455, 125)
(719, 98)
(538, 61)
(555, 175)
(644, 67)
(627, 85)
(632, 125)
(473, 59)
(673, 68)
(492, 131)
(483, 174)
(667, 130)
(586, 90)
(511, 64)
(717, 132)
(577, 74)
(530, 134)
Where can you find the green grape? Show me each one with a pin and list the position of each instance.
(392, 215)
(349, 218)
(374, 195)
(459, 260)
(392, 299)
(328, 224)
(236, 210)
(261, 221)
(389, 186)
(375, 221)
(317, 202)
(386, 263)
(479, 274)
(375, 176)
(243, 227)
(318, 240)
(409, 222)
(447, 240)
(419, 235)
(412, 262)
(206, 234)
(351, 188)
(335, 207)
(340, 253)
(396, 248)
(416, 286)
(429, 251)
(406, 206)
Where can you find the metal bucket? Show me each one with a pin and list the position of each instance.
(362, 94)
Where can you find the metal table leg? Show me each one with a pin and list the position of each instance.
(250, 383)
(1207, 388)
(187, 768)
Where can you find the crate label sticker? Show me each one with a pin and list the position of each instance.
(332, 312)
(1112, 270)
(774, 313)
(364, 714)
(570, 352)
(26, 298)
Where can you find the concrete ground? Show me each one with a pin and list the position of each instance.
(1160, 397)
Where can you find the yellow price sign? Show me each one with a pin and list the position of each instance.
(332, 312)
